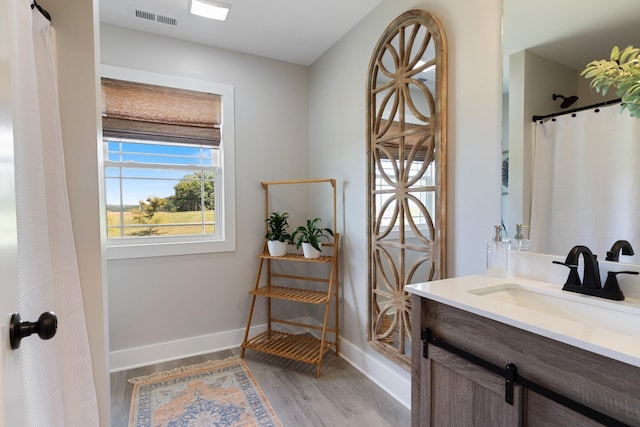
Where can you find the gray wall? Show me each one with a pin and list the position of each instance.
(337, 145)
(164, 299)
(293, 122)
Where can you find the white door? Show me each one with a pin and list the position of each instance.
(11, 389)
(11, 402)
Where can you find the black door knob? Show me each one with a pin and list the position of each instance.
(45, 327)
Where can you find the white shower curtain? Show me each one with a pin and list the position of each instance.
(586, 183)
(58, 378)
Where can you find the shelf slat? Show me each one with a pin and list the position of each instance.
(302, 348)
(291, 294)
(298, 257)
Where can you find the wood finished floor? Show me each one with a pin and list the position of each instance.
(342, 396)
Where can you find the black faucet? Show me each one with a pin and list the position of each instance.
(621, 246)
(591, 276)
(591, 283)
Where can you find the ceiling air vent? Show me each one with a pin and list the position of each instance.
(154, 17)
(142, 14)
(166, 20)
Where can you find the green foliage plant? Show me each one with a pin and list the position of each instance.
(188, 192)
(147, 211)
(622, 72)
(278, 225)
(311, 233)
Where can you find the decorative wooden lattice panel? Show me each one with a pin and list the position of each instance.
(406, 173)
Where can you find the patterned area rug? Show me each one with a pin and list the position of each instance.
(215, 393)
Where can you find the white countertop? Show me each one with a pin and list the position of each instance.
(622, 344)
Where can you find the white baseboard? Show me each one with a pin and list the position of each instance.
(396, 384)
(121, 360)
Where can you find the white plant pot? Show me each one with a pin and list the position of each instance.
(309, 251)
(277, 248)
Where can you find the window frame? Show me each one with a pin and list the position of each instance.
(153, 246)
(424, 190)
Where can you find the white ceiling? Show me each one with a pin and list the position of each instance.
(297, 31)
(570, 32)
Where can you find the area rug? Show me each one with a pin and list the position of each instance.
(215, 393)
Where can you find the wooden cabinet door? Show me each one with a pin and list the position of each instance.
(459, 393)
(542, 412)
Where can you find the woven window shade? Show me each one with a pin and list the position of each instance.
(412, 136)
(149, 112)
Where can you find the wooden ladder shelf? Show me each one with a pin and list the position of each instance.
(314, 341)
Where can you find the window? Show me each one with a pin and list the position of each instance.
(423, 189)
(168, 165)
(159, 189)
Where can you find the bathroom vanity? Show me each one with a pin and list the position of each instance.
(514, 351)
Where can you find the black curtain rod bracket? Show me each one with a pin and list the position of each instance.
(575, 110)
(41, 10)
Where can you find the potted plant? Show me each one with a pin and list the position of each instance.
(309, 237)
(622, 72)
(277, 236)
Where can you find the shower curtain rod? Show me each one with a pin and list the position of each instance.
(575, 110)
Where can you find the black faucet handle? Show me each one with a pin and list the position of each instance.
(615, 273)
(565, 264)
(611, 289)
(573, 280)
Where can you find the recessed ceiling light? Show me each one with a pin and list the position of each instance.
(210, 9)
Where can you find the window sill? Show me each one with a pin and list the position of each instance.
(125, 250)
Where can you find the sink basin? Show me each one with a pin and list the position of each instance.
(621, 317)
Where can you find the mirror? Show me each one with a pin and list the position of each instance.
(406, 105)
(568, 34)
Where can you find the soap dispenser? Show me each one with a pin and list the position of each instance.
(497, 237)
(497, 255)
(521, 240)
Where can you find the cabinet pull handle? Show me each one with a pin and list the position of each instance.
(510, 374)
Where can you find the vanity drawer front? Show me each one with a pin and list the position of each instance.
(463, 394)
(603, 384)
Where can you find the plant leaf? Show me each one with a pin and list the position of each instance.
(615, 53)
